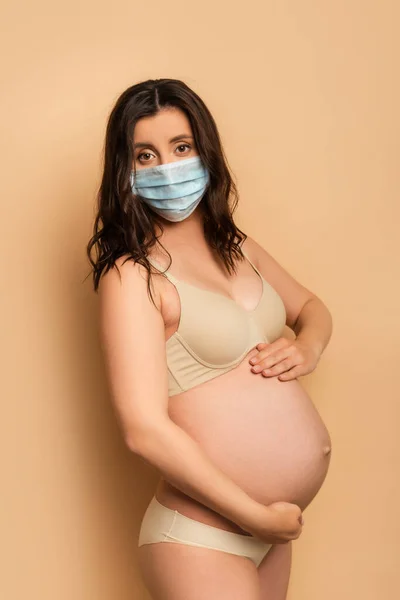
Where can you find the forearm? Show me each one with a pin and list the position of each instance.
(185, 465)
(314, 325)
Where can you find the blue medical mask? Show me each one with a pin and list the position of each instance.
(173, 190)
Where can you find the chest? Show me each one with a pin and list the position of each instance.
(214, 326)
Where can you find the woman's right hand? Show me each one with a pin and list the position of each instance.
(278, 523)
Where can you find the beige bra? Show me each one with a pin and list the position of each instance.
(215, 333)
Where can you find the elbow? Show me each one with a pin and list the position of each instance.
(141, 440)
(133, 441)
(137, 441)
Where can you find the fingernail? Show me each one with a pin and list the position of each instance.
(257, 368)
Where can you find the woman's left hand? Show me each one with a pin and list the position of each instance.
(285, 358)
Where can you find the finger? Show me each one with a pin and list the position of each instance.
(273, 346)
(277, 357)
(292, 373)
(272, 359)
(262, 345)
(279, 368)
(270, 363)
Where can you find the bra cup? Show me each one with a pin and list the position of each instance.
(215, 333)
(219, 332)
(270, 315)
(215, 328)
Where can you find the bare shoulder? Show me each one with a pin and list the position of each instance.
(258, 254)
(250, 247)
(129, 278)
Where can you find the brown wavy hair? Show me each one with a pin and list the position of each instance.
(125, 225)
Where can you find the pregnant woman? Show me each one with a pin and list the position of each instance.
(203, 378)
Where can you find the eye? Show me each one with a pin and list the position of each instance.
(183, 146)
(144, 154)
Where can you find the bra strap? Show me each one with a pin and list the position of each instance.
(252, 264)
(168, 275)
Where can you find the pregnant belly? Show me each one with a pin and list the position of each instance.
(266, 435)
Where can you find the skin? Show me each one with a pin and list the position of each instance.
(259, 411)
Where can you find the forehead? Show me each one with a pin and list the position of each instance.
(162, 127)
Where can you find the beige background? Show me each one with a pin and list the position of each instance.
(306, 96)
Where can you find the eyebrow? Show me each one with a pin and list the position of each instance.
(174, 139)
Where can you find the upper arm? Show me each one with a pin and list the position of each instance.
(133, 344)
(293, 294)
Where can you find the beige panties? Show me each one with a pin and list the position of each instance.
(163, 524)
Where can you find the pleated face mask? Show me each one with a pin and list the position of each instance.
(173, 190)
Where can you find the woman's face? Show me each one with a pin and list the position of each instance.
(162, 138)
